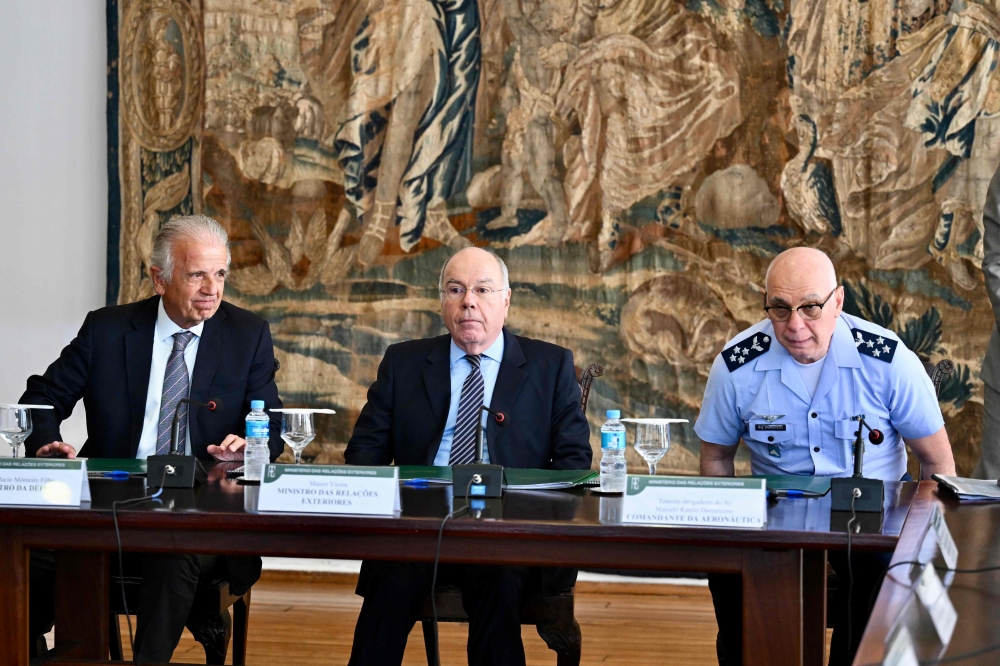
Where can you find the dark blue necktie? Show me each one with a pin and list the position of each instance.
(463, 444)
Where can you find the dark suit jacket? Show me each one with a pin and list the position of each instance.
(536, 388)
(107, 365)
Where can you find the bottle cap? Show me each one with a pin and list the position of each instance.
(613, 414)
(256, 404)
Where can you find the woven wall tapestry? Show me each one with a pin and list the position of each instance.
(637, 163)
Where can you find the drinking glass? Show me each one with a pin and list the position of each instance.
(15, 426)
(652, 439)
(297, 430)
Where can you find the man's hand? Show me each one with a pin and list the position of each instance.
(232, 448)
(56, 450)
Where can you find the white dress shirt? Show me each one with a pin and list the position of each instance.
(163, 344)
(489, 365)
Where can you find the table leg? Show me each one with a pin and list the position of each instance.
(772, 607)
(82, 604)
(13, 597)
(814, 607)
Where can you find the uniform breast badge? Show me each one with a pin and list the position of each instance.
(746, 350)
(874, 345)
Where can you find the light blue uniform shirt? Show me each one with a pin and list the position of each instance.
(489, 365)
(163, 344)
(754, 392)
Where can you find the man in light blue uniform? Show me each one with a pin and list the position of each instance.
(790, 387)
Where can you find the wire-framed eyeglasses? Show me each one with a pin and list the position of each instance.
(808, 311)
(455, 292)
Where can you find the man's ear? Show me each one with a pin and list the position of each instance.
(157, 277)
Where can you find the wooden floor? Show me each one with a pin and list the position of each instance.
(295, 621)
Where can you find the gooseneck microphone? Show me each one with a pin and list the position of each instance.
(501, 420)
(874, 436)
(175, 425)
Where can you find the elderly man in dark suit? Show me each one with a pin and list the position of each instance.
(131, 365)
(423, 410)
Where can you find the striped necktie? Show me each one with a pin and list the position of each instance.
(176, 385)
(463, 445)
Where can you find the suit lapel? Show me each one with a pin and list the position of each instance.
(138, 356)
(509, 381)
(437, 383)
(210, 351)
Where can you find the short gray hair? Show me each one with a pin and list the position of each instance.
(185, 228)
(503, 269)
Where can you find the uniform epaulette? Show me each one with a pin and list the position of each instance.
(746, 350)
(874, 345)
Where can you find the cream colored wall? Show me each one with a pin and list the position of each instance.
(53, 183)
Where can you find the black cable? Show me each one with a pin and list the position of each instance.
(118, 537)
(437, 557)
(850, 570)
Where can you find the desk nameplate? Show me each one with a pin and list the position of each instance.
(335, 489)
(695, 500)
(933, 595)
(41, 482)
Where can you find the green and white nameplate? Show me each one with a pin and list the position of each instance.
(44, 482)
(695, 500)
(370, 491)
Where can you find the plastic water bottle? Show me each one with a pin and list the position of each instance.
(613, 453)
(258, 435)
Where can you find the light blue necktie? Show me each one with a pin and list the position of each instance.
(176, 385)
(463, 444)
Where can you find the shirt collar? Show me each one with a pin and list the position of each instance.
(842, 349)
(494, 351)
(166, 327)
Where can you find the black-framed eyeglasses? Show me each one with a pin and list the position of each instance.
(808, 311)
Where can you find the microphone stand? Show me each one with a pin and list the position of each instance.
(176, 470)
(856, 493)
(477, 479)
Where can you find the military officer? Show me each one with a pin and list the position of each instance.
(791, 388)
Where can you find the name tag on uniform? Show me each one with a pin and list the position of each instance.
(337, 489)
(42, 482)
(769, 426)
(695, 500)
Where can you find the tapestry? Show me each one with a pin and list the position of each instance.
(636, 163)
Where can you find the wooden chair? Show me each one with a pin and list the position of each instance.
(552, 615)
(208, 622)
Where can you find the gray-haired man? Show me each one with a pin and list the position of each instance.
(131, 365)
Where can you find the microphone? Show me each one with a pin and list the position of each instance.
(501, 420)
(856, 494)
(175, 425)
(874, 436)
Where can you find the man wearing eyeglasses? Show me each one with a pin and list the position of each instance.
(423, 410)
(790, 388)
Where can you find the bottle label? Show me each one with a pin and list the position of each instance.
(258, 429)
(613, 440)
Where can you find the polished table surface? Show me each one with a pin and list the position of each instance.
(783, 565)
(975, 528)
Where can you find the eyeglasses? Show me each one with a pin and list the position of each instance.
(456, 293)
(808, 311)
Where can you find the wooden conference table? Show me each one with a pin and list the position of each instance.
(783, 566)
(975, 528)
